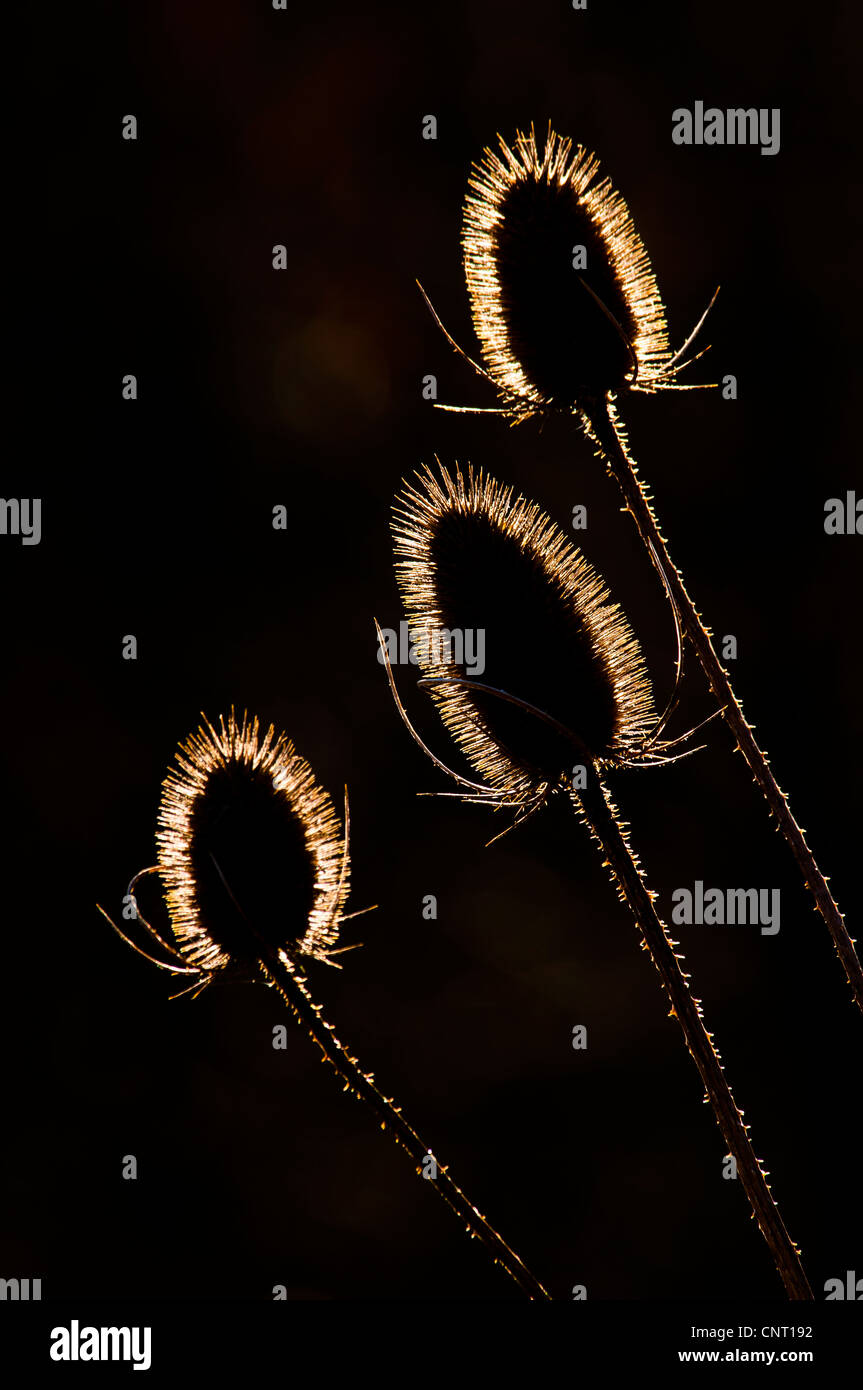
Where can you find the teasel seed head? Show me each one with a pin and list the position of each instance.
(472, 557)
(250, 849)
(554, 334)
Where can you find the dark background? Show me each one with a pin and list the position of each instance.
(304, 388)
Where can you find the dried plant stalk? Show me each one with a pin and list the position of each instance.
(603, 426)
(290, 984)
(565, 686)
(244, 826)
(595, 805)
(573, 332)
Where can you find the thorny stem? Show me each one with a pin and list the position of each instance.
(605, 428)
(601, 816)
(291, 985)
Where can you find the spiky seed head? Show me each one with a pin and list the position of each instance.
(249, 848)
(552, 333)
(472, 558)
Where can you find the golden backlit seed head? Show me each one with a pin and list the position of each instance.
(558, 327)
(249, 849)
(473, 559)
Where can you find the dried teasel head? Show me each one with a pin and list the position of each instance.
(250, 849)
(559, 325)
(568, 673)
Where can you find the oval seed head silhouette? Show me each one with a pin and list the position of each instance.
(250, 849)
(564, 301)
(480, 571)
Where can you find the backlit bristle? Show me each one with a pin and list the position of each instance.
(471, 559)
(553, 334)
(250, 849)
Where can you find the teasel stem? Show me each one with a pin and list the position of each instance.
(280, 974)
(606, 430)
(235, 788)
(596, 806)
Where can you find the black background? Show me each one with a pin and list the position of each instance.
(303, 388)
